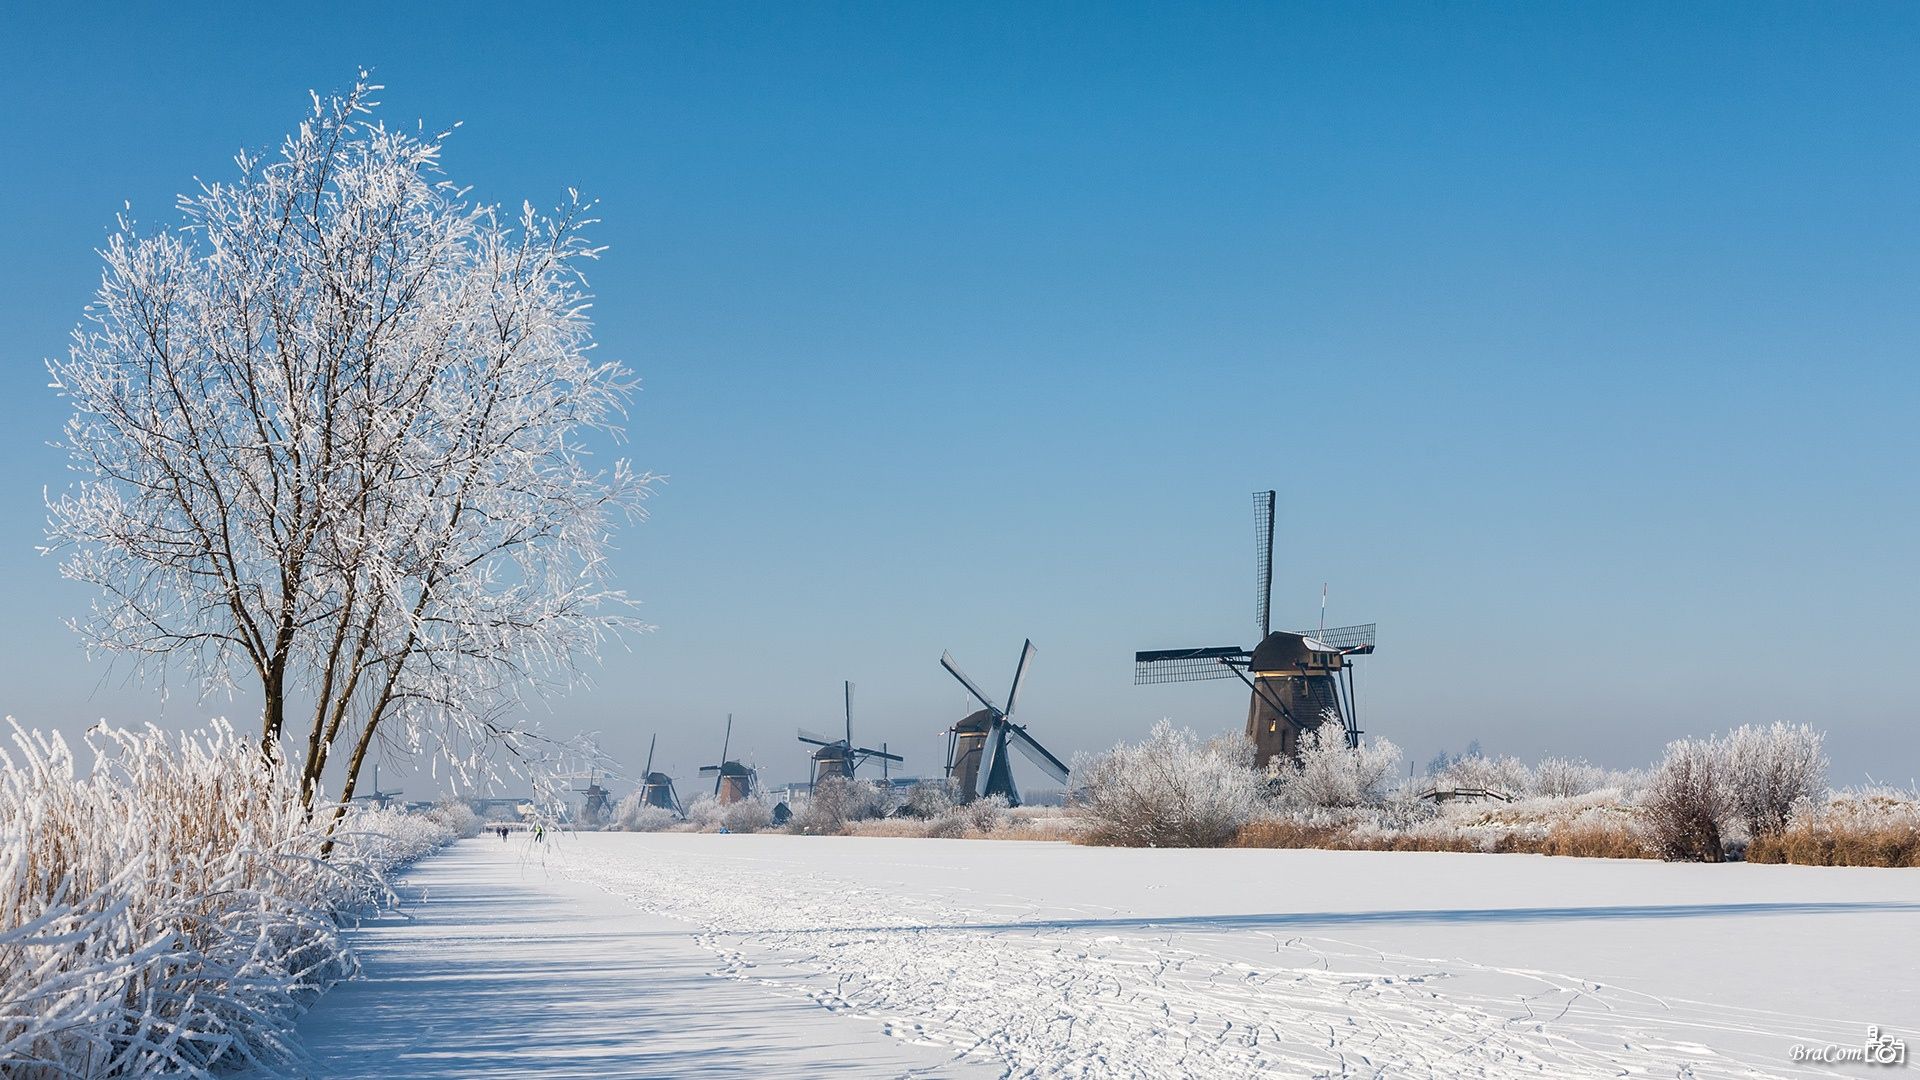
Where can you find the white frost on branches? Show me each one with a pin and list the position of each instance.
(329, 436)
(1169, 790)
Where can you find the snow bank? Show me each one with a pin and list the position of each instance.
(170, 909)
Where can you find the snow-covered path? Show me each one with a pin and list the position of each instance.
(1051, 960)
(508, 969)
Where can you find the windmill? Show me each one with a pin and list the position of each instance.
(732, 781)
(977, 747)
(1300, 679)
(839, 757)
(656, 789)
(376, 796)
(597, 806)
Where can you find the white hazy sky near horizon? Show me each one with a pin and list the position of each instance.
(1579, 344)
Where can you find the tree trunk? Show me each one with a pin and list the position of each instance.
(353, 778)
(273, 715)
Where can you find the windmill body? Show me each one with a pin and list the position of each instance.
(656, 788)
(967, 748)
(840, 758)
(597, 806)
(1299, 679)
(732, 781)
(980, 747)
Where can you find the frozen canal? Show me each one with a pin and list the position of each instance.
(682, 954)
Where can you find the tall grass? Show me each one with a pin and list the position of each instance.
(1876, 827)
(167, 909)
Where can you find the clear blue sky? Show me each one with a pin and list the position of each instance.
(1579, 340)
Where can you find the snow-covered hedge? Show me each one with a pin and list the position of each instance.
(835, 802)
(634, 814)
(1170, 790)
(169, 909)
(1755, 788)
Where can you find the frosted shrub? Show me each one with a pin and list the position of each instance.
(747, 815)
(1506, 775)
(1686, 803)
(1770, 770)
(1328, 774)
(1561, 778)
(931, 798)
(1170, 790)
(633, 814)
(457, 817)
(703, 813)
(392, 837)
(836, 801)
(968, 819)
(169, 910)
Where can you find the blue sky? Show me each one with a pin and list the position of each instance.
(1579, 341)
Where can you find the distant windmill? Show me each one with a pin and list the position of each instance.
(732, 781)
(1299, 678)
(977, 747)
(597, 807)
(376, 796)
(839, 757)
(656, 789)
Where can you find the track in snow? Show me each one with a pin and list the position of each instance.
(1059, 990)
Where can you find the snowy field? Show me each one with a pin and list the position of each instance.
(883, 957)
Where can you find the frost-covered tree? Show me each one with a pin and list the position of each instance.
(1169, 790)
(1772, 769)
(1686, 801)
(329, 437)
(1328, 775)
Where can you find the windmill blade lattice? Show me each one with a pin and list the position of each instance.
(1263, 561)
(1188, 665)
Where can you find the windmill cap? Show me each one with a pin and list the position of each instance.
(974, 722)
(1283, 650)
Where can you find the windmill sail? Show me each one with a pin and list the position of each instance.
(1037, 754)
(1263, 562)
(1026, 658)
(1187, 665)
(953, 669)
(1344, 638)
(992, 759)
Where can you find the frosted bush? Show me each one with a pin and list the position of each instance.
(836, 801)
(1327, 774)
(1686, 802)
(1562, 778)
(982, 815)
(931, 798)
(169, 909)
(1506, 775)
(747, 815)
(1770, 770)
(634, 814)
(1170, 790)
(703, 813)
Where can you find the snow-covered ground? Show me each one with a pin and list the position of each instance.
(503, 968)
(1038, 959)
